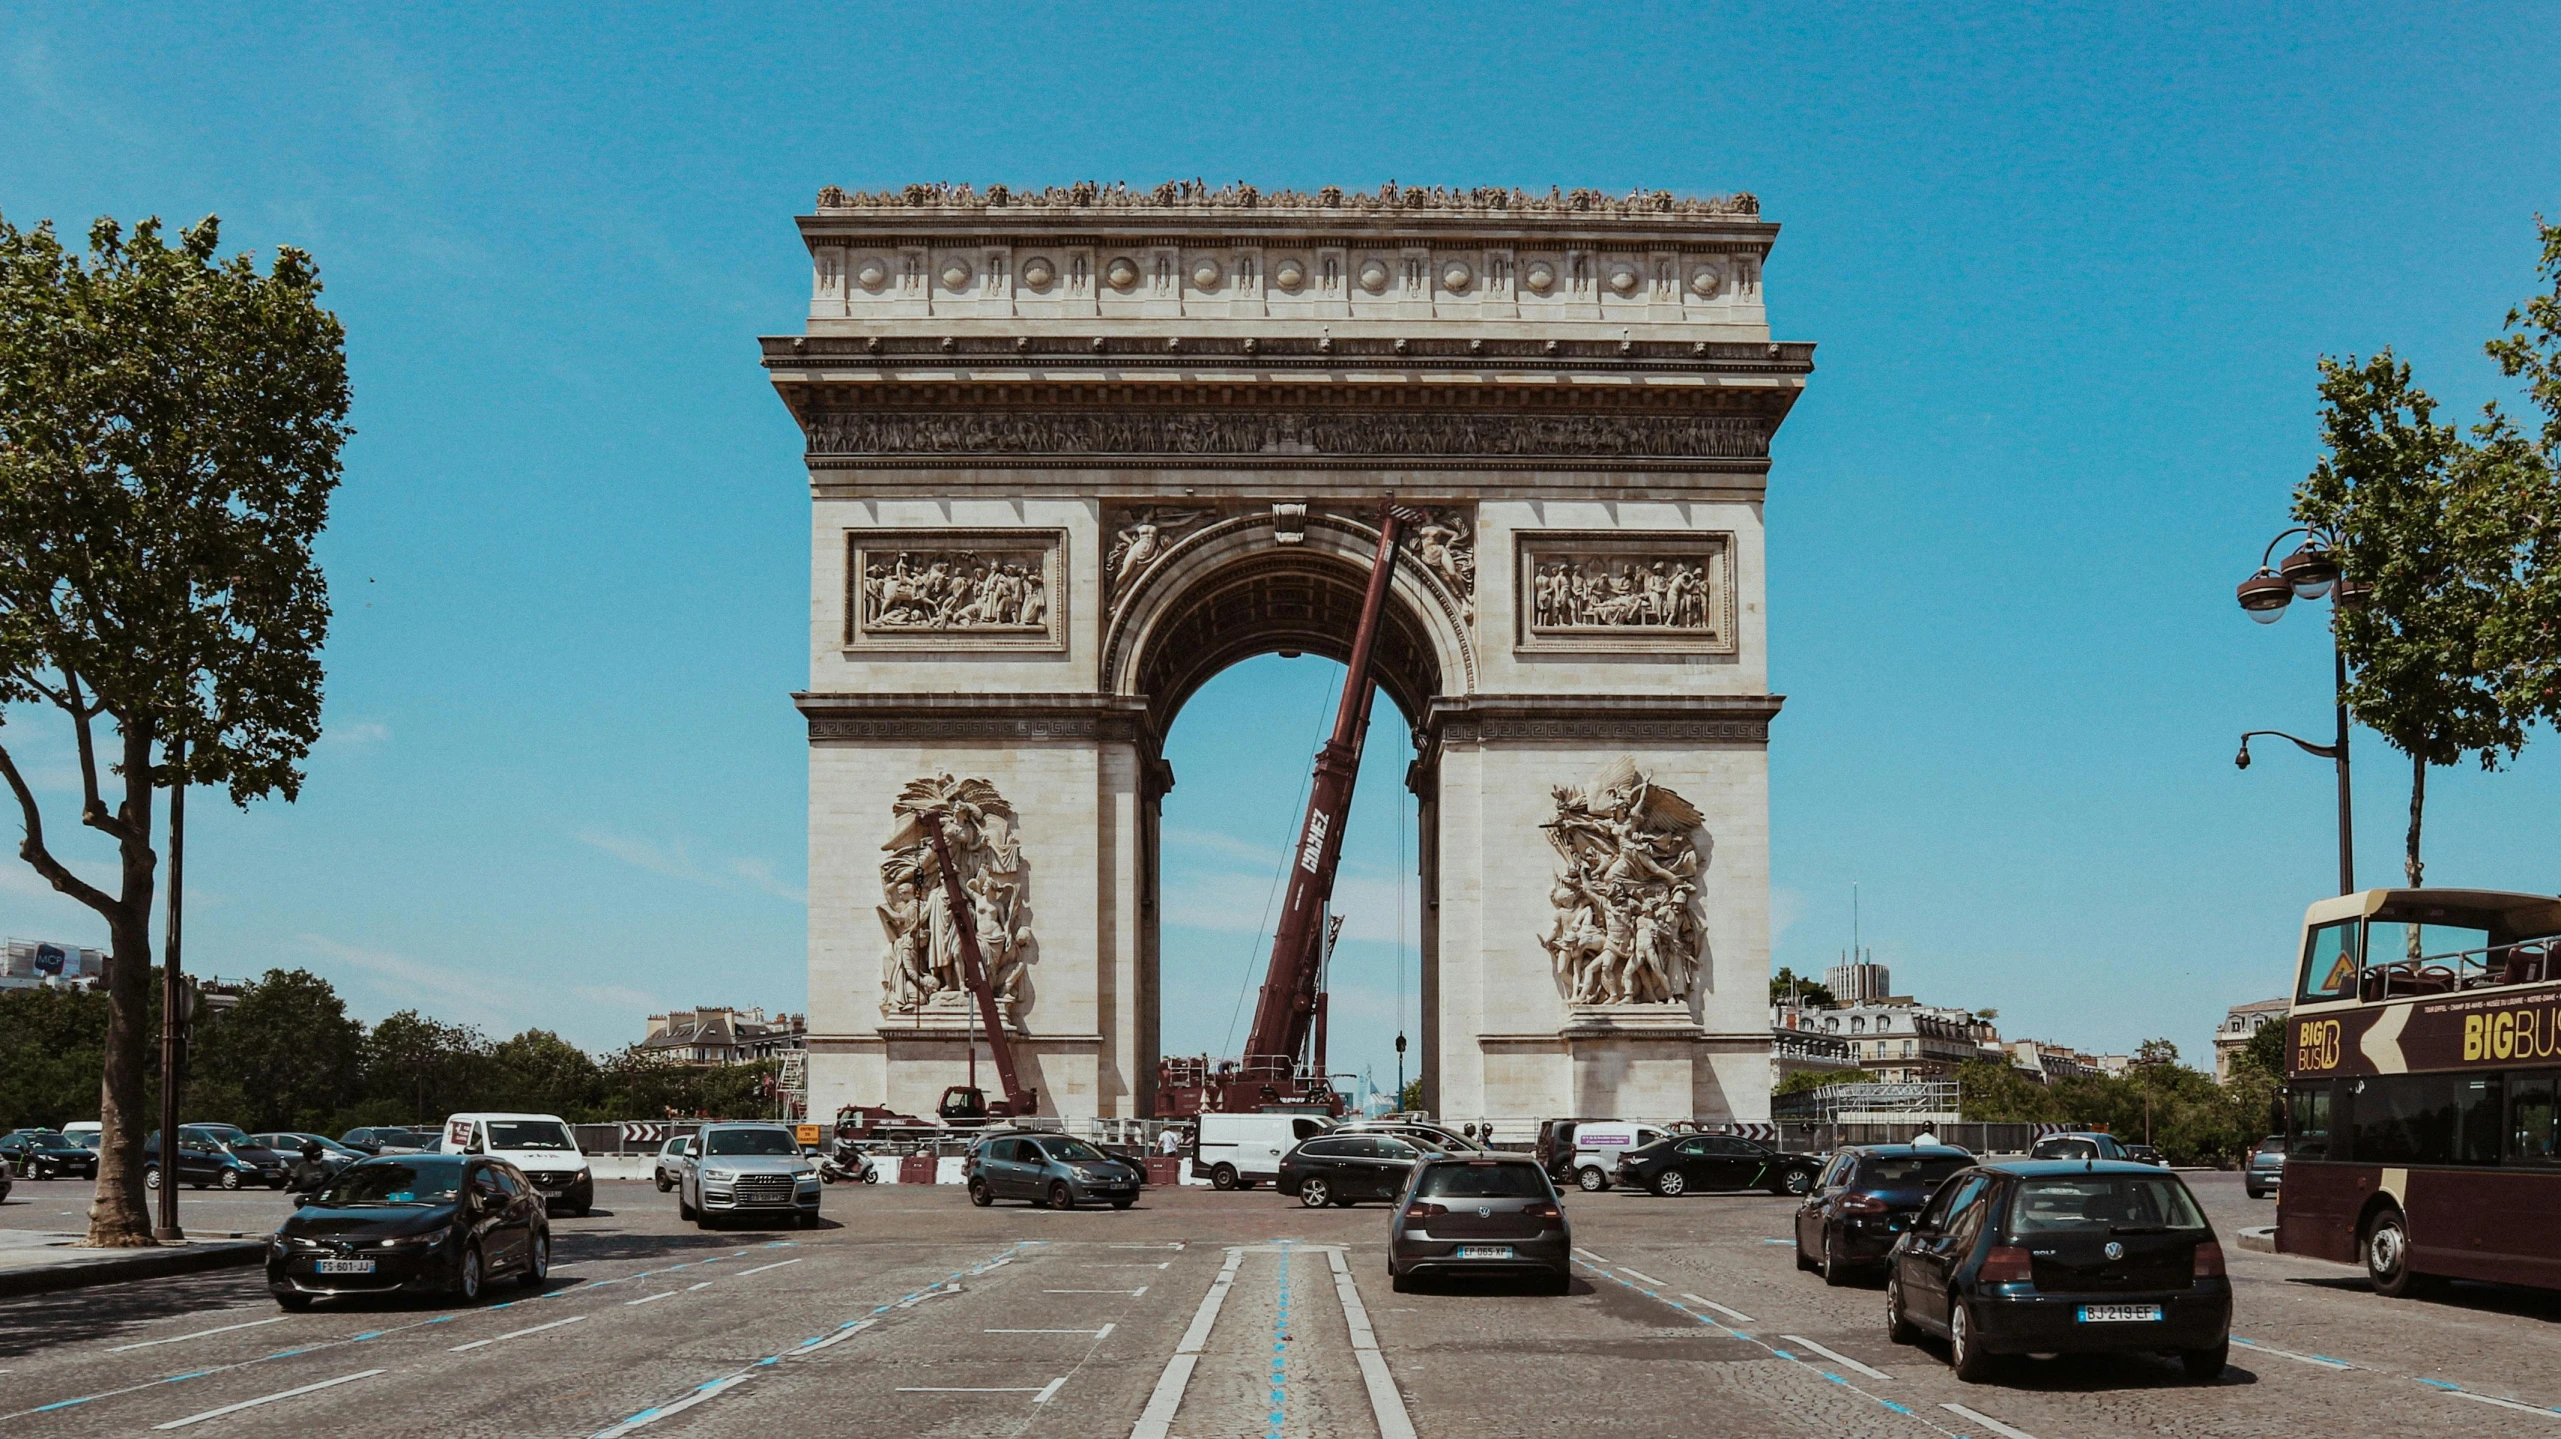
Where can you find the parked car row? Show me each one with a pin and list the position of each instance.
(46, 1154)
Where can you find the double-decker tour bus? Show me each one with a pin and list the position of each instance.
(2423, 1060)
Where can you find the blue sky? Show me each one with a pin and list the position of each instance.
(2069, 271)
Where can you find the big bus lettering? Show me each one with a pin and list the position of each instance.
(2316, 1044)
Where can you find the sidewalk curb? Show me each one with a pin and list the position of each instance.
(2261, 1240)
(157, 1263)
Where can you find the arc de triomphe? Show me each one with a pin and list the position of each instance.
(1071, 453)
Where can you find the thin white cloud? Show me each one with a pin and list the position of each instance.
(1236, 903)
(441, 993)
(1179, 840)
(673, 860)
(362, 734)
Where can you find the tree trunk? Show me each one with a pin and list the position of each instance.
(119, 1212)
(2418, 805)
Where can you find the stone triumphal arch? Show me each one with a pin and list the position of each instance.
(1070, 453)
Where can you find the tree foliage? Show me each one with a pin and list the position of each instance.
(1787, 987)
(2190, 1118)
(170, 424)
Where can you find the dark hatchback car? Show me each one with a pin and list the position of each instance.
(1048, 1169)
(1715, 1161)
(45, 1153)
(2062, 1257)
(1863, 1201)
(206, 1156)
(444, 1223)
(387, 1139)
(1344, 1169)
(1471, 1214)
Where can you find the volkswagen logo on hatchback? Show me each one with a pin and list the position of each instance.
(2114, 1250)
(1484, 1211)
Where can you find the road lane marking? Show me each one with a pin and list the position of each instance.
(958, 1389)
(1596, 1259)
(1132, 1293)
(1640, 1274)
(1096, 1333)
(2323, 1360)
(761, 1268)
(1168, 1264)
(1988, 1422)
(516, 1334)
(183, 1338)
(1734, 1314)
(1049, 1390)
(654, 1298)
(690, 1288)
(652, 1416)
(2502, 1403)
(1841, 1359)
(1157, 1420)
(1386, 1402)
(267, 1399)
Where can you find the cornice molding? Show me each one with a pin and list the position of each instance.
(949, 716)
(1612, 719)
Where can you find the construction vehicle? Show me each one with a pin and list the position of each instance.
(1277, 1071)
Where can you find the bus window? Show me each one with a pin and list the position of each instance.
(2308, 1135)
(2330, 963)
(2533, 1137)
(2423, 1119)
(2389, 940)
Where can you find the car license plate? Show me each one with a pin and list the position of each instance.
(2120, 1313)
(345, 1266)
(1484, 1251)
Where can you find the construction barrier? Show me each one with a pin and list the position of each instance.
(916, 1169)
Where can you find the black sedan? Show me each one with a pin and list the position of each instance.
(1344, 1169)
(1715, 1161)
(2045, 1257)
(1863, 1201)
(45, 1153)
(444, 1223)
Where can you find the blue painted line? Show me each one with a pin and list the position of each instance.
(1835, 1378)
(2441, 1384)
(643, 1414)
(2326, 1359)
(65, 1404)
(1783, 1354)
(368, 1334)
(1890, 1404)
(769, 1359)
(174, 1378)
(447, 1319)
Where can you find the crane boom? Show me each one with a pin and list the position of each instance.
(973, 968)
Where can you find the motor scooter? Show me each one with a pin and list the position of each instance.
(847, 1164)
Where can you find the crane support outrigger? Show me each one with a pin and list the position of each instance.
(1274, 1068)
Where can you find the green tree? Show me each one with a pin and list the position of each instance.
(2527, 640)
(1786, 987)
(287, 1056)
(50, 1041)
(1806, 1080)
(2434, 538)
(169, 434)
(542, 1072)
(1989, 1090)
(423, 1069)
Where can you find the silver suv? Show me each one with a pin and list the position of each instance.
(755, 1170)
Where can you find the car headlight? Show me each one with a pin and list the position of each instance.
(720, 1176)
(429, 1239)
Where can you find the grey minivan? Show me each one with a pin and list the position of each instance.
(1049, 1169)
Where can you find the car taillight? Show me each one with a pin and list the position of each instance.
(1425, 1210)
(1544, 1210)
(2006, 1264)
(2209, 1260)
(1862, 1204)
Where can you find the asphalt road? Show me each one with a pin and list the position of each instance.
(1203, 1314)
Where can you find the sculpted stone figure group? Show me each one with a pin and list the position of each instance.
(1625, 930)
(958, 590)
(1611, 593)
(921, 965)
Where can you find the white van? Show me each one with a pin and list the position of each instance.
(1236, 1150)
(87, 1133)
(1598, 1147)
(539, 1144)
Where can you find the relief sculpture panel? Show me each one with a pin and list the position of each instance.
(1626, 928)
(921, 971)
(1613, 589)
(944, 589)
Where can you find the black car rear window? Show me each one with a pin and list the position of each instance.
(1905, 1171)
(424, 1179)
(2113, 1202)
(1489, 1179)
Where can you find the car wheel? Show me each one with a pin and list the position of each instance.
(664, 1183)
(151, 1177)
(1561, 1282)
(1123, 1203)
(1965, 1351)
(2205, 1366)
(1671, 1183)
(1590, 1180)
(1061, 1197)
(809, 1219)
(1315, 1193)
(1795, 1181)
(467, 1276)
(293, 1303)
(537, 1263)
(2387, 1255)
(2254, 1191)
(1836, 1265)
(581, 1211)
(980, 1194)
(1401, 1283)
(231, 1179)
(684, 1210)
(1898, 1326)
(1804, 1262)
(1223, 1177)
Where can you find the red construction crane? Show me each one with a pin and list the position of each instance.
(1272, 1070)
(965, 1101)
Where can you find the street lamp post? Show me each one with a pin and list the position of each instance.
(174, 996)
(2310, 572)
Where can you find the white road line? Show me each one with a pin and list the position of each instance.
(652, 1299)
(1845, 1361)
(829, 1341)
(1640, 1275)
(1157, 1420)
(1097, 1333)
(2502, 1403)
(183, 1338)
(1988, 1422)
(1721, 1309)
(761, 1268)
(652, 1416)
(267, 1399)
(1386, 1404)
(706, 1284)
(1168, 1264)
(2323, 1360)
(516, 1334)
(1596, 1259)
(1049, 1390)
(1132, 1293)
(954, 1389)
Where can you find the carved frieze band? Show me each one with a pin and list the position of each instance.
(1355, 435)
(955, 589)
(908, 718)
(1619, 590)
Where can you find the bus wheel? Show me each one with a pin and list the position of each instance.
(2387, 1254)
